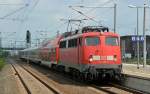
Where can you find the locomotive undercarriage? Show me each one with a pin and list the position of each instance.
(103, 74)
(94, 73)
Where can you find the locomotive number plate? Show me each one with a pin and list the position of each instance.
(96, 57)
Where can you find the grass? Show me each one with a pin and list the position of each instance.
(2, 63)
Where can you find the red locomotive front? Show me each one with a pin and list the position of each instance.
(93, 53)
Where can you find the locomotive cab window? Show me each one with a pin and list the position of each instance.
(80, 41)
(62, 44)
(92, 41)
(113, 41)
(72, 43)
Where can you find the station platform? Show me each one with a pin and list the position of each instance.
(131, 69)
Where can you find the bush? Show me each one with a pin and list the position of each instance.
(2, 63)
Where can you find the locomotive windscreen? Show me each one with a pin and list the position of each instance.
(92, 41)
(113, 41)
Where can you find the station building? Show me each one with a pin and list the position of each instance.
(129, 46)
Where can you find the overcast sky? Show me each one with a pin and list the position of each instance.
(18, 16)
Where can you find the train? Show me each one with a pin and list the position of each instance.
(93, 52)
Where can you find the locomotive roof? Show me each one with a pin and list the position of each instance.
(91, 34)
(86, 29)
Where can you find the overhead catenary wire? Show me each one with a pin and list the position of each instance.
(62, 24)
(19, 17)
(92, 9)
(13, 19)
(84, 15)
(89, 11)
(18, 10)
(30, 11)
(10, 16)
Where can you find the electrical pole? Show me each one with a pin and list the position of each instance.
(138, 56)
(115, 16)
(144, 35)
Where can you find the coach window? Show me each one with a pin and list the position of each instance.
(62, 44)
(92, 41)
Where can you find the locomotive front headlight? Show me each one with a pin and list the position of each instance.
(115, 57)
(91, 59)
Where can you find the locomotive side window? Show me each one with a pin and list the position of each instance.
(72, 43)
(112, 41)
(92, 41)
(69, 43)
(62, 44)
(80, 41)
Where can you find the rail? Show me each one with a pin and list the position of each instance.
(40, 80)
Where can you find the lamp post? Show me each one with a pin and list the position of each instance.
(137, 38)
(144, 29)
(144, 34)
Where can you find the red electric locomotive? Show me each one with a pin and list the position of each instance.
(91, 53)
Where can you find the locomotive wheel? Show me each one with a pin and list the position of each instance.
(74, 75)
(117, 77)
(89, 77)
(78, 75)
(82, 77)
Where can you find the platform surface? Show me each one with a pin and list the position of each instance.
(132, 69)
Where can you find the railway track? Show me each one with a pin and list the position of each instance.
(20, 78)
(112, 88)
(40, 88)
(106, 89)
(138, 83)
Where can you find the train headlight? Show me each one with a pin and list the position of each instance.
(90, 58)
(115, 57)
